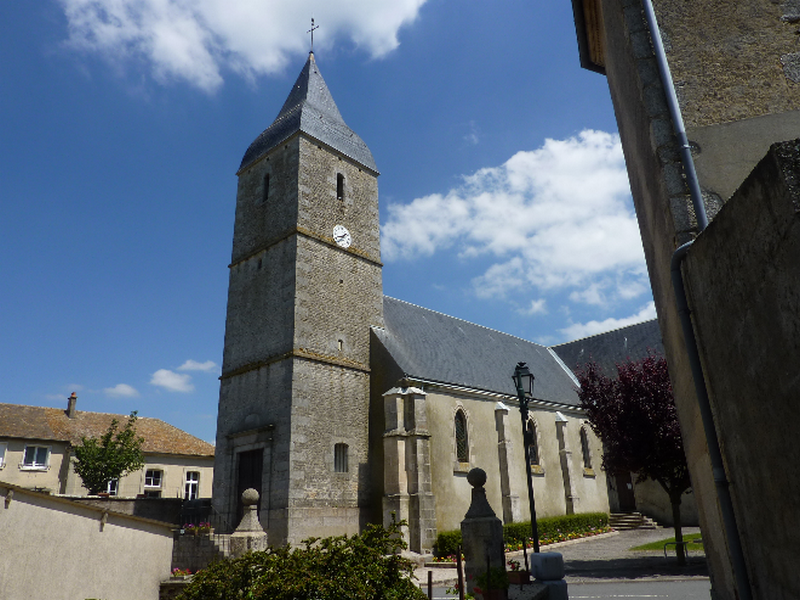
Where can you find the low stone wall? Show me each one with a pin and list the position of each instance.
(58, 548)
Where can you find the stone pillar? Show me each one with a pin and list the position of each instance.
(407, 466)
(565, 456)
(482, 541)
(249, 536)
(548, 569)
(512, 513)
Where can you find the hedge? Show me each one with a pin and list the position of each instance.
(551, 529)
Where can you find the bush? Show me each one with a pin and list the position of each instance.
(447, 543)
(361, 567)
(551, 529)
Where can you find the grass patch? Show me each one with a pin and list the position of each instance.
(659, 545)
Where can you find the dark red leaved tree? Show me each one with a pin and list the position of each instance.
(634, 415)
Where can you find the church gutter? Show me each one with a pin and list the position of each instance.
(509, 398)
(704, 404)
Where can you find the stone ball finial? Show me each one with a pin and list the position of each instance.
(250, 497)
(477, 477)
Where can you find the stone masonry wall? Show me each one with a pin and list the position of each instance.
(742, 273)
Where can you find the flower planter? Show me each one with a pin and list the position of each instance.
(519, 577)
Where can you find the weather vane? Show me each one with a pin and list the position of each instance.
(311, 31)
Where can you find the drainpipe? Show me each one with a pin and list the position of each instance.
(714, 452)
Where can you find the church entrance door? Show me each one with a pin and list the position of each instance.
(249, 471)
(627, 501)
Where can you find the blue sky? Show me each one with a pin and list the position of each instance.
(504, 199)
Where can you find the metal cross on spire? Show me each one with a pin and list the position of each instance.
(311, 31)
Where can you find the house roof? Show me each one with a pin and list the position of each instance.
(310, 109)
(435, 347)
(608, 349)
(53, 424)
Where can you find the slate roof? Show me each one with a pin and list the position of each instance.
(53, 424)
(608, 349)
(433, 346)
(310, 108)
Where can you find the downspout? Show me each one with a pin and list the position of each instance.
(714, 452)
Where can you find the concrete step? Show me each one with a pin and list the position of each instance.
(631, 520)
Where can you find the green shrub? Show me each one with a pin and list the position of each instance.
(362, 567)
(447, 543)
(551, 529)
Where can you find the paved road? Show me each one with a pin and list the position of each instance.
(607, 565)
(693, 589)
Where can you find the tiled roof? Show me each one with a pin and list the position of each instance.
(310, 108)
(53, 424)
(433, 346)
(608, 349)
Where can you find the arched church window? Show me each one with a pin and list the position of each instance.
(462, 443)
(340, 458)
(339, 186)
(533, 441)
(587, 454)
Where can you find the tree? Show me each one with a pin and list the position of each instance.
(634, 416)
(114, 454)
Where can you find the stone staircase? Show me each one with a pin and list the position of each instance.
(631, 520)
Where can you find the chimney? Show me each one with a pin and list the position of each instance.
(73, 398)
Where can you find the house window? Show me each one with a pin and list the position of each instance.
(191, 489)
(339, 186)
(3, 454)
(36, 457)
(113, 487)
(533, 441)
(340, 458)
(462, 443)
(587, 454)
(152, 478)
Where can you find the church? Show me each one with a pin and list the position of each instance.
(342, 406)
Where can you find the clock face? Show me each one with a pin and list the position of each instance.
(341, 236)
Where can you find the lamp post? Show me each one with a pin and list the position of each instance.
(523, 380)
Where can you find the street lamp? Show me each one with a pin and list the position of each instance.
(523, 380)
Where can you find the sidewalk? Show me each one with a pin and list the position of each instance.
(605, 557)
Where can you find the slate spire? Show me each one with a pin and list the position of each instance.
(310, 109)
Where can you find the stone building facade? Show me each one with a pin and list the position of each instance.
(734, 70)
(342, 406)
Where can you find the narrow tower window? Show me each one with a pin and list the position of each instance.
(265, 195)
(462, 443)
(340, 186)
(340, 458)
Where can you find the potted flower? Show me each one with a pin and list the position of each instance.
(181, 573)
(516, 574)
(492, 585)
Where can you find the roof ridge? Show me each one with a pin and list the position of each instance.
(468, 322)
(594, 335)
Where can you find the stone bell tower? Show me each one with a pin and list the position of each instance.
(305, 288)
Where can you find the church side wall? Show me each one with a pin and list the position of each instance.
(453, 492)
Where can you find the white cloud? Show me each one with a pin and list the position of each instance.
(556, 218)
(582, 330)
(121, 390)
(536, 307)
(193, 365)
(197, 41)
(172, 381)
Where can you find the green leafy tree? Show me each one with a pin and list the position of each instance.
(635, 417)
(366, 566)
(114, 454)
